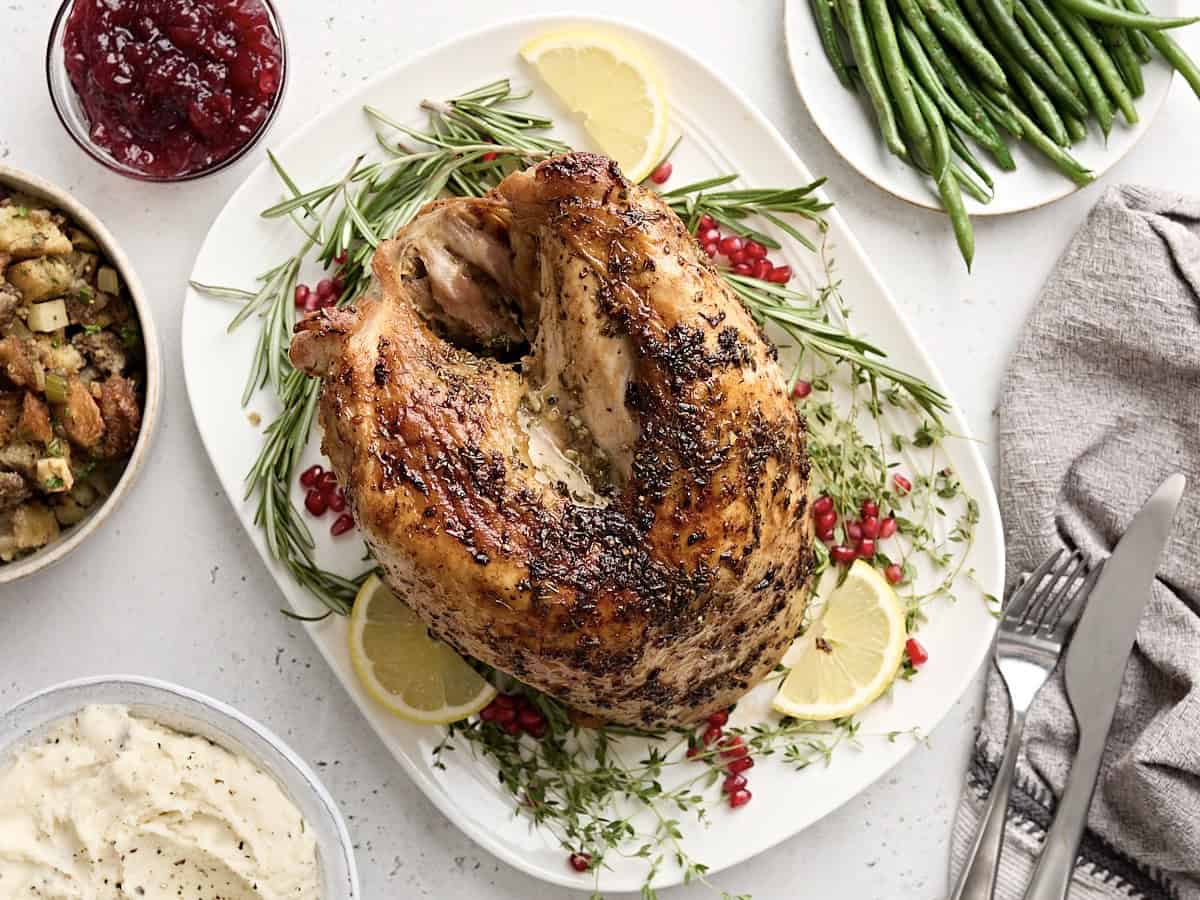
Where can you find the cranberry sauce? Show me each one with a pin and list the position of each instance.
(172, 87)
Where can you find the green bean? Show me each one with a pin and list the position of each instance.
(1023, 52)
(999, 114)
(945, 67)
(1085, 75)
(1045, 46)
(1065, 162)
(963, 152)
(1099, 11)
(1171, 51)
(827, 29)
(879, 18)
(923, 70)
(863, 49)
(1106, 69)
(1117, 41)
(947, 182)
(1076, 128)
(968, 184)
(1039, 101)
(1140, 44)
(959, 35)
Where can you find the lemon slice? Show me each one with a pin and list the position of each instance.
(612, 87)
(851, 654)
(415, 676)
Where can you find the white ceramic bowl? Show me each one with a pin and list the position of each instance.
(193, 713)
(75, 535)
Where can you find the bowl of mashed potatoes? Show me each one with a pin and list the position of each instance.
(124, 787)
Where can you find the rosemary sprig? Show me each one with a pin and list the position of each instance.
(471, 142)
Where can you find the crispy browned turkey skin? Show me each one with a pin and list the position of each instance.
(569, 446)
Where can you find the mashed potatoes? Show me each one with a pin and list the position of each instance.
(112, 806)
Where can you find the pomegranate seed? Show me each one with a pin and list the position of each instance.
(740, 765)
(733, 783)
(887, 527)
(513, 728)
(706, 222)
(579, 861)
(694, 750)
(341, 524)
(336, 500)
(870, 508)
(825, 535)
(529, 718)
(755, 250)
(731, 244)
(917, 655)
(309, 476)
(762, 268)
(822, 505)
(313, 303)
(662, 173)
(301, 294)
(325, 288)
(826, 521)
(537, 731)
(709, 236)
(734, 748)
(870, 526)
(505, 714)
(854, 531)
(326, 481)
(488, 713)
(505, 701)
(780, 275)
(489, 156)
(738, 257)
(801, 389)
(866, 548)
(712, 733)
(842, 554)
(894, 574)
(314, 502)
(743, 268)
(903, 485)
(719, 718)
(710, 249)
(341, 258)
(739, 798)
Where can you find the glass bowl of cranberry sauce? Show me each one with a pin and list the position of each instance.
(166, 90)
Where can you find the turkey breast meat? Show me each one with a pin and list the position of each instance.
(570, 448)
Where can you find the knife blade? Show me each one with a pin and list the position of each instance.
(1093, 671)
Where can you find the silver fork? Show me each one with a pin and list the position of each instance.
(1033, 631)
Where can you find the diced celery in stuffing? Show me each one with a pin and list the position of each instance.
(48, 316)
(107, 281)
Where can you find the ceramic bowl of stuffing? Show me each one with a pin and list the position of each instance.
(80, 374)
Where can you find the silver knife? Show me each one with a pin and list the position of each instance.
(1093, 671)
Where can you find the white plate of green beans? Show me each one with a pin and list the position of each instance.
(1080, 91)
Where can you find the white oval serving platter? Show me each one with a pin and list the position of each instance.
(846, 120)
(722, 133)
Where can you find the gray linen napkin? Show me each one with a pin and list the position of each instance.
(1101, 402)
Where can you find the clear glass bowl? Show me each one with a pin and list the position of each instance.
(71, 114)
(194, 713)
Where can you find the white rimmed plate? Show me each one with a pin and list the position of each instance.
(723, 133)
(846, 120)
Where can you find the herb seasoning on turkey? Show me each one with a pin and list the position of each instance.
(652, 601)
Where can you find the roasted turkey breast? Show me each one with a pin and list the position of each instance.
(570, 448)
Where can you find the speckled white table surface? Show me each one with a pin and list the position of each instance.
(172, 589)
